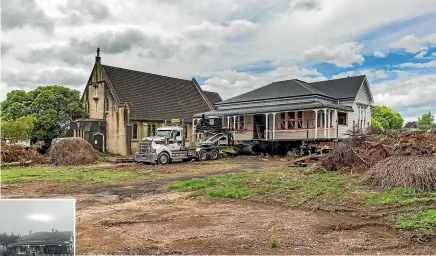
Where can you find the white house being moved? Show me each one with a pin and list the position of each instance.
(294, 110)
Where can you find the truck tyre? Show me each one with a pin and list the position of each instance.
(163, 158)
(202, 155)
(214, 154)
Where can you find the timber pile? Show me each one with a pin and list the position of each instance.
(361, 153)
(73, 151)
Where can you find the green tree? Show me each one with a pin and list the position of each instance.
(426, 121)
(53, 107)
(411, 124)
(17, 130)
(386, 117)
(376, 124)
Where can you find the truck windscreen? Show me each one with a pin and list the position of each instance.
(163, 133)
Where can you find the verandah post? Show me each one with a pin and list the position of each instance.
(316, 123)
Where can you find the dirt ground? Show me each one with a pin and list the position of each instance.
(144, 217)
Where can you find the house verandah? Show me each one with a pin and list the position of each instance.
(316, 121)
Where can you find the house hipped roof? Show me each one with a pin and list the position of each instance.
(276, 108)
(335, 89)
(341, 88)
(156, 97)
(59, 237)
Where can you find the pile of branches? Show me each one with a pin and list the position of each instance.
(416, 173)
(16, 154)
(73, 151)
(363, 151)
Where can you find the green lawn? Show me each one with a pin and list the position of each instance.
(70, 173)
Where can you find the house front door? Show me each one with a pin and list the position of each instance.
(97, 142)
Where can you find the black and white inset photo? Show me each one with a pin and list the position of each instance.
(37, 227)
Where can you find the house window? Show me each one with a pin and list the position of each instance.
(96, 91)
(135, 131)
(148, 130)
(153, 130)
(50, 249)
(299, 122)
(106, 104)
(290, 120)
(236, 122)
(241, 122)
(186, 131)
(342, 118)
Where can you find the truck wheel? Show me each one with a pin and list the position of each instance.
(163, 158)
(202, 156)
(214, 154)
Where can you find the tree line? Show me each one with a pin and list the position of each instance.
(384, 118)
(6, 239)
(41, 114)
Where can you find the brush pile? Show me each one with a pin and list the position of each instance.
(416, 173)
(17, 154)
(389, 158)
(73, 151)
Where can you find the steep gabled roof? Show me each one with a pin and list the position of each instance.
(156, 97)
(280, 89)
(341, 88)
(213, 97)
(57, 237)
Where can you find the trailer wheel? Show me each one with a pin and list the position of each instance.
(214, 154)
(202, 156)
(163, 158)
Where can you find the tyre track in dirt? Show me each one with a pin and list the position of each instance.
(132, 189)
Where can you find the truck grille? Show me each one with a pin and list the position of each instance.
(145, 146)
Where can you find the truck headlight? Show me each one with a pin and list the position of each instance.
(153, 150)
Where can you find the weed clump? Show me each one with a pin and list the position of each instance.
(273, 242)
(73, 151)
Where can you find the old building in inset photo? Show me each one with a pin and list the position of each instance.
(37, 227)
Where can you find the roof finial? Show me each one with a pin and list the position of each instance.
(97, 58)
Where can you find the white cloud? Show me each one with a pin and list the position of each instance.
(43, 217)
(430, 64)
(413, 44)
(379, 54)
(231, 83)
(344, 55)
(409, 43)
(411, 94)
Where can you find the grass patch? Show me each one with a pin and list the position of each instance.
(69, 173)
(285, 185)
(401, 196)
(424, 221)
(219, 186)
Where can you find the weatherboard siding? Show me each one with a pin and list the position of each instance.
(248, 133)
(303, 134)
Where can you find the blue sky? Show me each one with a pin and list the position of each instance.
(231, 46)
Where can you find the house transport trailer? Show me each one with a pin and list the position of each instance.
(168, 145)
